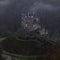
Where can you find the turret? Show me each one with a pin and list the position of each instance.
(31, 22)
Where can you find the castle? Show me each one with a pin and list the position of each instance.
(31, 22)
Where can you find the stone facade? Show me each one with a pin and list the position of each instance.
(32, 23)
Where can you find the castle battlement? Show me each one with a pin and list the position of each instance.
(31, 23)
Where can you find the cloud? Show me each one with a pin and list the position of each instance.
(4, 2)
(43, 6)
(32, 5)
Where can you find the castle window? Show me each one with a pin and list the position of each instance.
(37, 19)
(31, 16)
(26, 25)
(25, 16)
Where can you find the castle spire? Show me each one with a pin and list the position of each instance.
(28, 14)
(33, 13)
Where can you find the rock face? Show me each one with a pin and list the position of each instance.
(8, 57)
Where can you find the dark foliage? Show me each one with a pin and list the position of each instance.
(25, 47)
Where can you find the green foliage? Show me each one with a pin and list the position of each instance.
(11, 35)
(41, 42)
(2, 39)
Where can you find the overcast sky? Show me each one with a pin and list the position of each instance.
(51, 5)
(13, 8)
(10, 10)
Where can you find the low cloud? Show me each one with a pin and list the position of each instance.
(42, 6)
(25, 5)
(4, 2)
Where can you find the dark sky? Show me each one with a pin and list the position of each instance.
(10, 10)
(15, 7)
(33, 5)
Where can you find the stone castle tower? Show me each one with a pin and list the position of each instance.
(30, 23)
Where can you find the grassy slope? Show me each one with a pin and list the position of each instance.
(1, 39)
